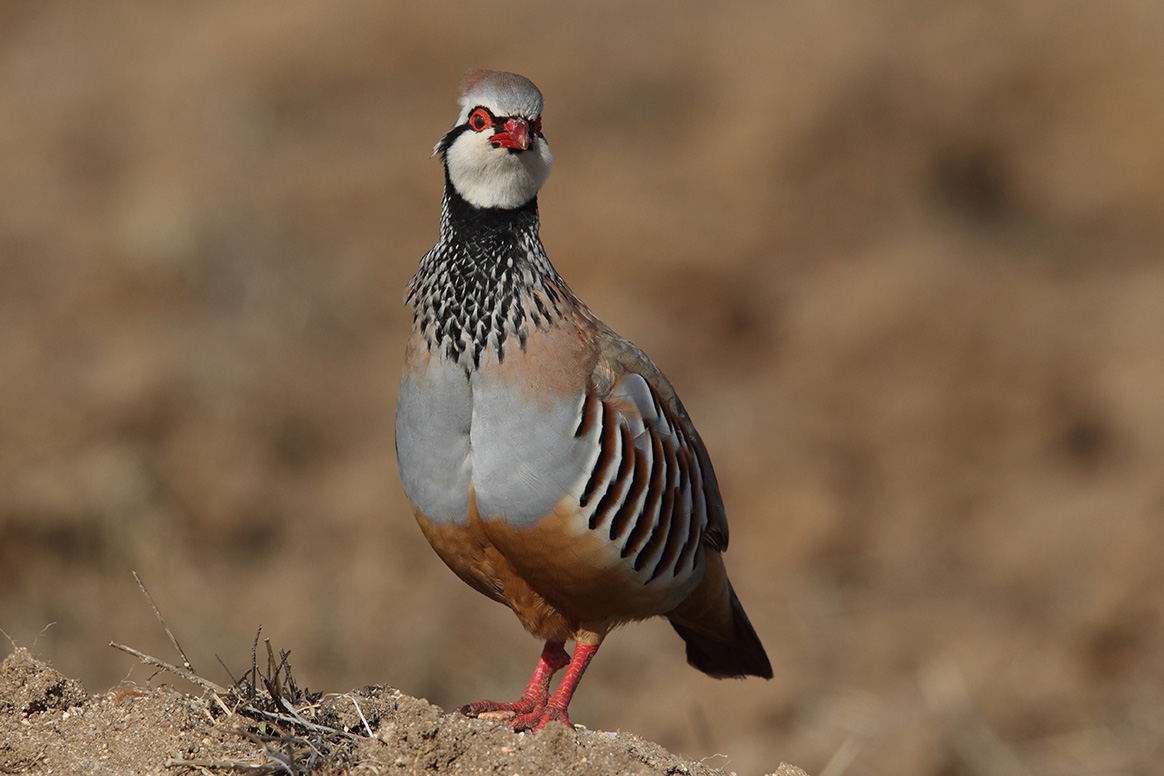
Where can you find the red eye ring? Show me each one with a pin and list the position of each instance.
(480, 120)
(535, 126)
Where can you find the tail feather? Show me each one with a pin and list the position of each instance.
(737, 654)
(720, 640)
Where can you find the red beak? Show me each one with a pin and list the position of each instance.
(514, 135)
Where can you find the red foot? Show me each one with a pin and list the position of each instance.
(522, 706)
(537, 692)
(543, 711)
(536, 709)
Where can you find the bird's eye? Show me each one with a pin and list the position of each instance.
(536, 126)
(480, 120)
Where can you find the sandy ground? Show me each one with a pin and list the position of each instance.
(48, 724)
(901, 259)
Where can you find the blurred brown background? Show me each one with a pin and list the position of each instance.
(901, 258)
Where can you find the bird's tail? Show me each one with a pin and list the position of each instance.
(721, 642)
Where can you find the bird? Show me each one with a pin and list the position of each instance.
(547, 460)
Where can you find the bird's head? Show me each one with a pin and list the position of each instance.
(496, 155)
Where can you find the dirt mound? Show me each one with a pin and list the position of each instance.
(49, 724)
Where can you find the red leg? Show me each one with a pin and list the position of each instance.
(555, 708)
(533, 700)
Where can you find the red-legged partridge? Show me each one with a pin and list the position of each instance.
(548, 460)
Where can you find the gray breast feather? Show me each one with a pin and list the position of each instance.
(525, 455)
(433, 416)
(519, 453)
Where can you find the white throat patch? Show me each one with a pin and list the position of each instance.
(497, 177)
